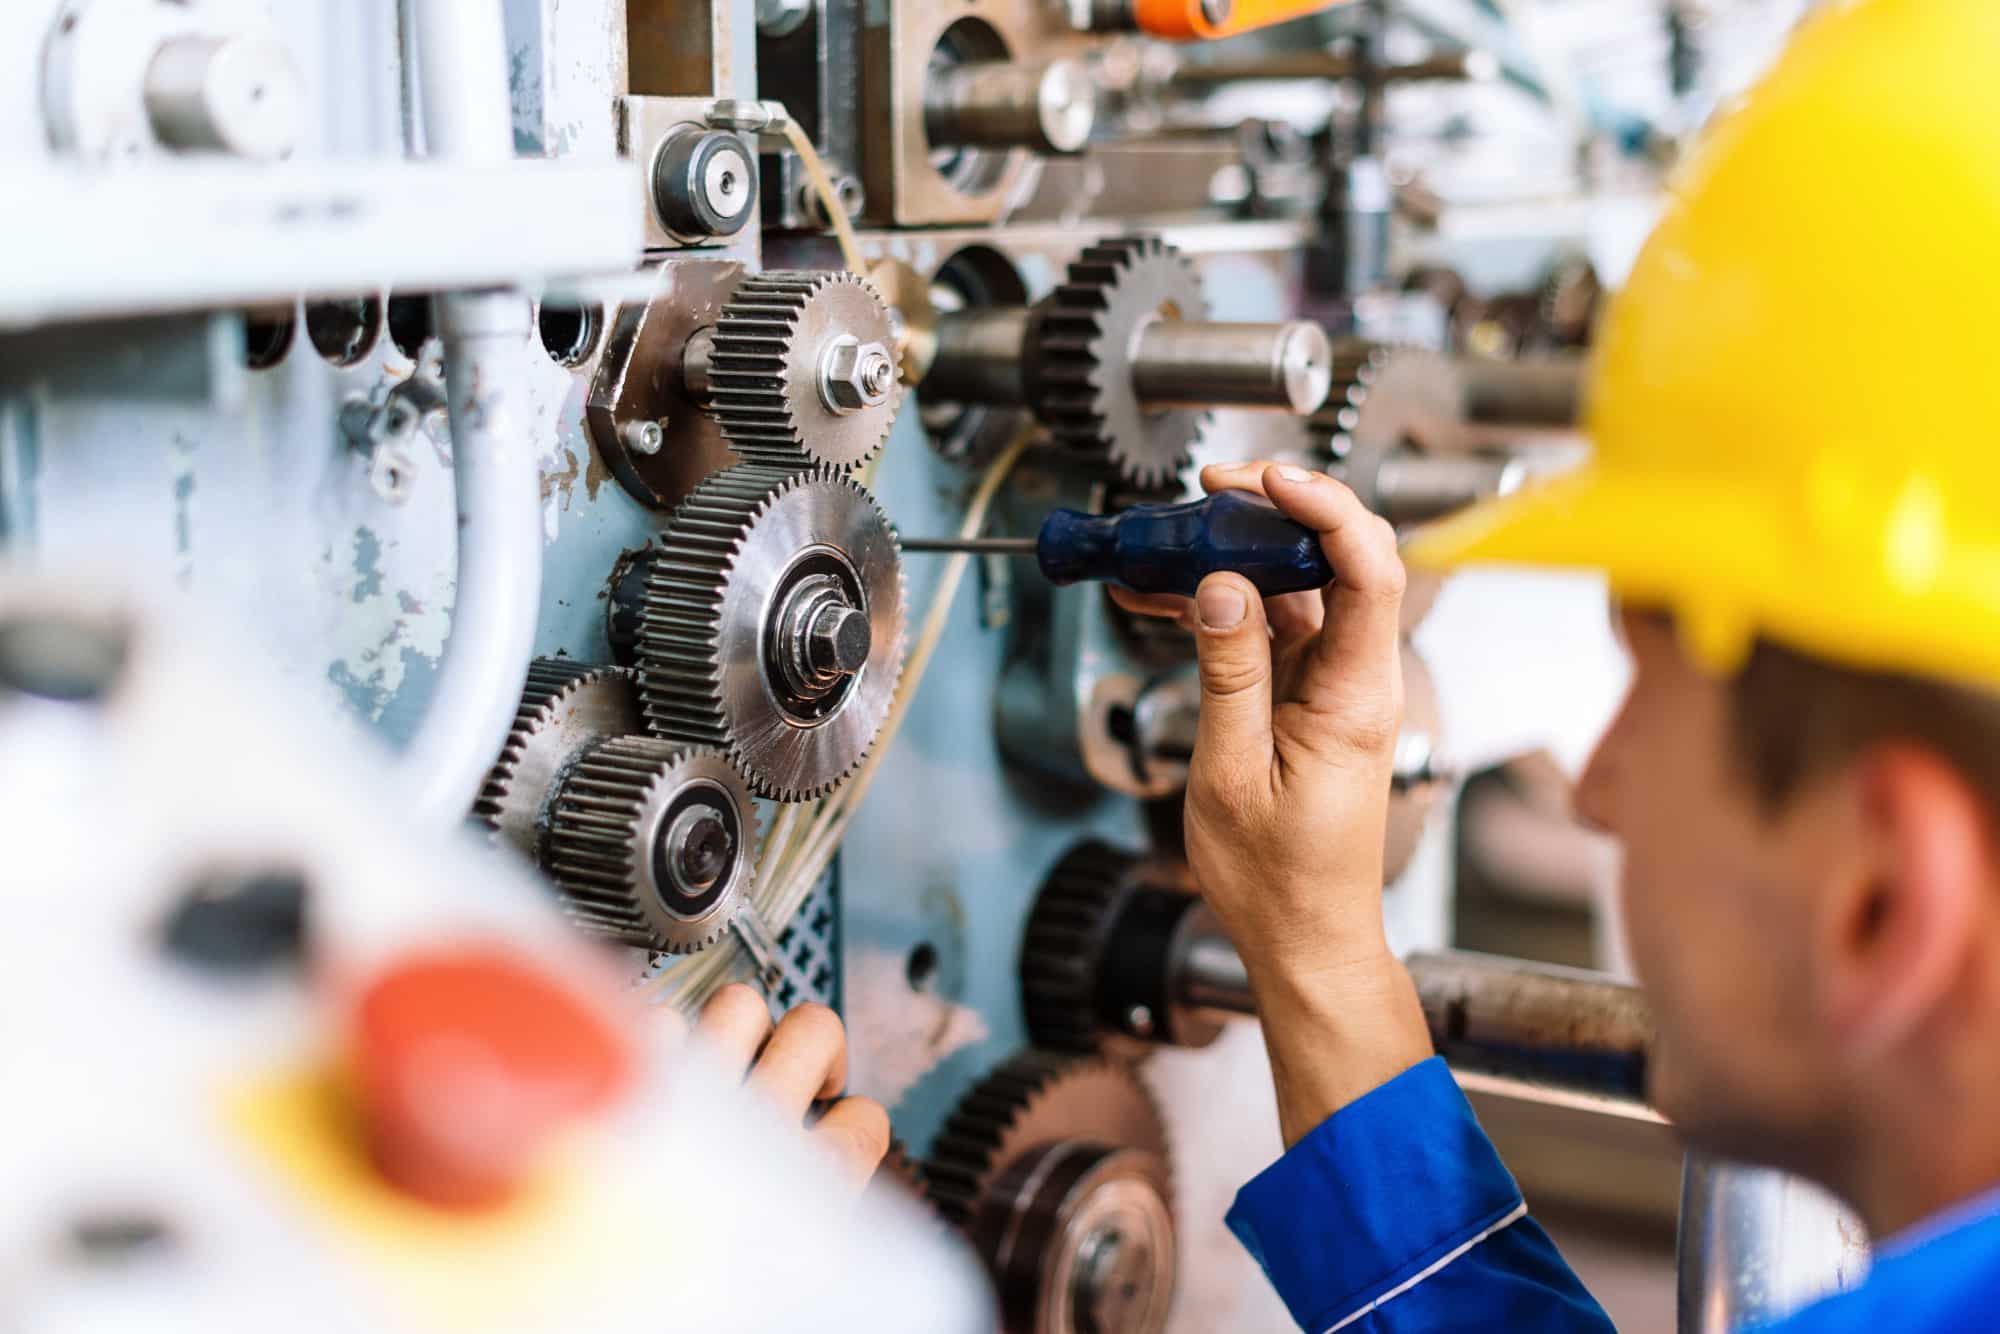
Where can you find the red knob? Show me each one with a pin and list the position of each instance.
(468, 1061)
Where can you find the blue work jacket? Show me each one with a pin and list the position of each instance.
(1396, 1216)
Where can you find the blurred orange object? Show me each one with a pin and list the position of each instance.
(469, 1062)
(1203, 20)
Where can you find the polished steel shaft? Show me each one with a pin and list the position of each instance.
(1411, 487)
(998, 104)
(1286, 367)
(1532, 1022)
(1185, 363)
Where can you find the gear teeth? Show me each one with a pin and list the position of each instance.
(1102, 298)
(1063, 946)
(763, 370)
(600, 853)
(962, 1160)
(549, 681)
(681, 677)
(1034, 1098)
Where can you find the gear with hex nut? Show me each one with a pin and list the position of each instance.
(1057, 1168)
(1081, 366)
(653, 844)
(802, 369)
(772, 626)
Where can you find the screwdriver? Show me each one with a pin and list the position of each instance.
(1166, 548)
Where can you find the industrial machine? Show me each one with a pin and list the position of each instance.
(548, 387)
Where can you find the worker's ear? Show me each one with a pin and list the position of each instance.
(1894, 934)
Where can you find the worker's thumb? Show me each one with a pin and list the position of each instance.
(1234, 642)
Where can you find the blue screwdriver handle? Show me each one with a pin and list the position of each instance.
(1172, 548)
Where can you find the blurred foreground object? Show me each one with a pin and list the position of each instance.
(297, 1062)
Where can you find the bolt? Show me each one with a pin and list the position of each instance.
(854, 375)
(1217, 12)
(700, 849)
(642, 437)
(838, 640)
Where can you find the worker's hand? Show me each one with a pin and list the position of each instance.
(1301, 698)
(1288, 792)
(800, 1062)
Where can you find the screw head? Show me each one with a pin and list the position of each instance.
(1217, 12)
(643, 437)
(1139, 1021)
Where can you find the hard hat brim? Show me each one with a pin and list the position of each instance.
(1690, 547)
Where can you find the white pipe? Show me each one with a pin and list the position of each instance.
(467, 116)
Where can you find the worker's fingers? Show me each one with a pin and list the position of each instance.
(734, 1024)
(1167, 606)
(1355, 658)
(1247, 476)
(1295, 615)
(805, 1059)
(1233, 734)
(855, 1132)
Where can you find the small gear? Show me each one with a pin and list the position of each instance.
(1383, 396)
(565, 707)
(1081, 362)
(773, 626)
(803, 370)
(1099, 952)
(1057, 1167)
(652, 843)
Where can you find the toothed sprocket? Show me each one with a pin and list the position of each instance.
(566, 706)
(1057, 1167)
(653, 844)
(1085, 339)
(769, 378)
(772, 627)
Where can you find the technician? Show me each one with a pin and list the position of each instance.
(1795, 407)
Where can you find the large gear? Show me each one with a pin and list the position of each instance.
(1086, 335)
(1097, 956)
(773, 626)
(565, 708)
(653, 844)
(776, 369)
(1057, 1167)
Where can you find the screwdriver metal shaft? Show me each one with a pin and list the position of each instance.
(978, 546)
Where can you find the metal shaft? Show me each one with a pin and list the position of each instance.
(978, 546)
(1536, 1023)
(1521, 393)
(1183, 363)
(979, 357)
(998, 104)
(1411, 487)
(1327, 65)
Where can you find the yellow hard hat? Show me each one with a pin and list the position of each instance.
(1794, 402)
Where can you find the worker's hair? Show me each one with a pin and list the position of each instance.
(1797, 717)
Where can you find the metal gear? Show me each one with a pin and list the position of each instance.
(1081, 367)
(1096, 956)
(653, 844)
(1057, 1166)
(565, 708)
(773, 626)
(1381, 394)
(779, 368)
